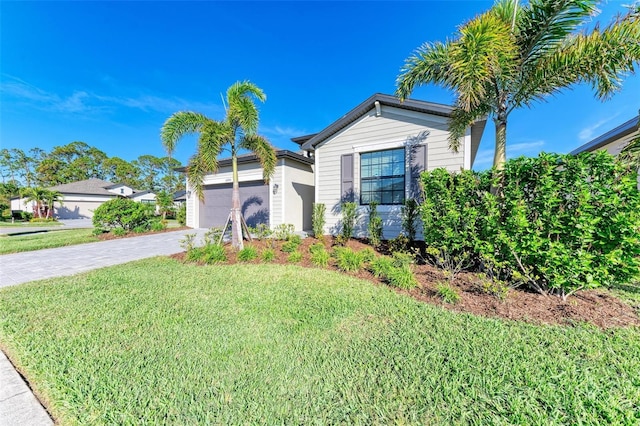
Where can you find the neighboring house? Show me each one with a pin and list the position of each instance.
(179, 198)
(376, 153)
(80, 199)
(373, 153)
(287, 198)
(613, 141)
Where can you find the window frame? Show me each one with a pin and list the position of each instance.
(378, 193)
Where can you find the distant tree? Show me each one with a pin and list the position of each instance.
(118, 170)
(238, 131)
(164, 201)
(510, 56)
(70, 163)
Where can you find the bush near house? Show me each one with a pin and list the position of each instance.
(557, 223)
(123, 213)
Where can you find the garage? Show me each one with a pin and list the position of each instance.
(254, 203)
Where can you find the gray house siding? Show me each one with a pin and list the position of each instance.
(424, 138)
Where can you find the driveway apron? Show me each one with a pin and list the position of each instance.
(19, 268)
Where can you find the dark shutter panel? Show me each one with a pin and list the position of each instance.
(418, 164)
(346, 177)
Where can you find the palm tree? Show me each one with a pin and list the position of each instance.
(238, 130)
(37, 195)
(50, 197)
(510, 57)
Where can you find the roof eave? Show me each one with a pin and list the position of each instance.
(612, 135)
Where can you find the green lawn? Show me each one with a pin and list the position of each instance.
(160, 342)
(29, 224)
(43, 240)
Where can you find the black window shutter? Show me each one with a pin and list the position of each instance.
(418, 164)
(346, 178)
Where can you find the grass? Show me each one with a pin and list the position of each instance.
(161, 342)
(8, 224)
(43, 240)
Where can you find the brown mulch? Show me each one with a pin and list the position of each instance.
(591, 306)
(110, 236)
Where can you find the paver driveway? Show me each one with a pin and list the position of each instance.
(36, 265)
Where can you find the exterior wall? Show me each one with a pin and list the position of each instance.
(394, 128)
(193, 207)
(276, 199)
(122, 190)
(20, 204)
(298, 193)
(148, 197)
(77, 206)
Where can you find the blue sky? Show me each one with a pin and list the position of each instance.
(110, 73)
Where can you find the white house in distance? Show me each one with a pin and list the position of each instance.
(80, 199)
(373, 153)
(613, 141)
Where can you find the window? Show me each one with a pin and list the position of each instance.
(382, 177)
(122, 190)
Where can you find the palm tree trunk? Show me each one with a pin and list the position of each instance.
(236, 225)
(500, 154)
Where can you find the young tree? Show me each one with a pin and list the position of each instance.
(238, 131)
(50, 197)
(512, 56)
(37, 195)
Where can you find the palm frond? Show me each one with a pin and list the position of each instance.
(178, 125)
(265, 152)
(460, 121)
(545, 24)
(482, 60)
(242, 111)
(430, 63)
(601, 58)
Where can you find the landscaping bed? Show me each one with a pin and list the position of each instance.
(596, 307)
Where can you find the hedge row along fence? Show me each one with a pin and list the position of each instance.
(555, 223)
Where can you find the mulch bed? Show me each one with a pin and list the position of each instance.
(591, 306)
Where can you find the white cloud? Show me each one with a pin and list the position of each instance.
(85, 102)
(590, 132)
(279, 131)
(524, 147)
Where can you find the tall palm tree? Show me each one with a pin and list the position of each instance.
(238, 131)
(510, 57)
(50, 197)
(37, 195)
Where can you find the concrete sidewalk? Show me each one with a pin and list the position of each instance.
(19, 268)
(18, 405)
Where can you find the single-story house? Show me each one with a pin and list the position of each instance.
(287, 198)
(373, 153)
(613, 141)
(80, 199)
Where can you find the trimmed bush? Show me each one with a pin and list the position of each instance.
(181, 214)
(557, 223)
(122, 213)
(349, 213)
(375, 225)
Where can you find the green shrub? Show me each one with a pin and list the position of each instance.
(401, 243)
(158, 225)
(410, 214)
(122, 213)
(402, 277)
(402, 260)
(181, 214)
(320, 257)
(292, 243)
(318, 220)
(187, 242)
(247, 254)
(213, 253)
(447, 293)
(268, 255)
(283, 232)
(261, 231)
(380, 266)
(97, 231)
(140, 229)
(374, 227)
(119, 232)
(347, 260)
(316, 248)
(557, 223)
(367, 254)
(295, 257)
(213, 235)
(494, 287)
(349, 213)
